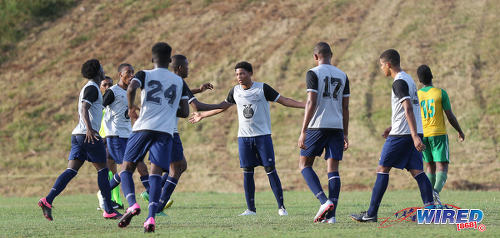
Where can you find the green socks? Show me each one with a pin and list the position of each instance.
(440, 180)
(432, 178)
(115, 193)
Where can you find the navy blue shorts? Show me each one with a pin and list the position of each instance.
(95, 153)
(400, 152)
(255, 151)
(159, 145)
(328, 140)
(116, 148)
(177, 149)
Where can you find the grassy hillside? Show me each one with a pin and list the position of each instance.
(457, 39)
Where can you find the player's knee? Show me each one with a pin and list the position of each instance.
(130, 167)
(269, 169)
(248, 169)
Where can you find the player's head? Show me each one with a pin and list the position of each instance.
(424, 74)
(244, 72)
(92, 70)
(180, 65)
(161, 54)
(322, 50)
(126, 73)
(389, 59)
(106, 83)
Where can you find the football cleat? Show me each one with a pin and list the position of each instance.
(282, 212)
(437, 200)
(145, 196)
(248, 213)
(113, 215)
(363, 217)
(101, 200)
(116, 205)
(323, 211)
(149, 225)
(132, 211)
(330, 220)
(46, 208)
(169, 204)
(161, 214)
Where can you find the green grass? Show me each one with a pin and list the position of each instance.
(215, 215)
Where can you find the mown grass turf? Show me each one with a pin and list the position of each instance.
(215, 215)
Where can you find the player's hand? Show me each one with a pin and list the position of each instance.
(461, 136)
(302, 139)
(346, 143)
(206, 86)
(195, 117)
(419, 145)
(132, 113)
(91, 136)
(386, 132)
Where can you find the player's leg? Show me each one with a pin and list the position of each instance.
(415, 166)
(334, 152)
(264, 146)
(315, 143)
(142, 169)
(441, 157)
(430, 166)
(175, 172)
(160, 156)
(441, 175)
(114, 154)
(248, 161)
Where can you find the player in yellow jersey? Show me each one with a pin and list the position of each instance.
(433, 102)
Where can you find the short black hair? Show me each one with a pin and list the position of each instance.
(323, 48)
(178, 60)
(91, 68)
(244, 65)
(161, 52)
(109, 78)
(121, 66)
(391, 56)
(424, 74)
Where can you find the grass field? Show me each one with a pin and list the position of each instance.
(215, 215)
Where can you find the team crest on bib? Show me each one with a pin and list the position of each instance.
(248, 111)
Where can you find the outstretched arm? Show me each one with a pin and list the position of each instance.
(202, 88)
(288, 102)
(197, 116)
(199, 106)
(454, 122)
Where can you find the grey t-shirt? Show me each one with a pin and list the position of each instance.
(404, 88)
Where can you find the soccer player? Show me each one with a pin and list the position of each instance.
(254, 133)
(325, 128)
(403, 145)
(178, 164)
(433, 101)
(117, 126)
(161, 94)
(115, 193)
(86, 144)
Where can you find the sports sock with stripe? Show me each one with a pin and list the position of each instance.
(60, 184)
(432, 178)
(378, 193)
(115, 192)
(425, 189)
(164, 178)
(249, 186)
(167, 191)
(145, 182)
(312, 181)
(103, 182)
(441, 177)
(333, 189)
(115, 181)
(128, 187)
(154, 196)
(275, 183)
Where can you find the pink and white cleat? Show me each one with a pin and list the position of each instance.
(149, 225)
(46, 208)
(132, 211)
(113, 215)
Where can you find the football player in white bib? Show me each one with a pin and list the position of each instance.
(86, 144)
(254, 131)
(162, 100)
(325, 128)
(403, 145)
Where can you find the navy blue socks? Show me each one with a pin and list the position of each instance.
(333, 189)
(275, 183)
(378, 192)
(60, 184)
(312, 181)
(154, 195)
(128, 187)
(425, 186)
(249, 186)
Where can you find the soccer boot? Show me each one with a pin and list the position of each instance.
(101, 200)
(132, 211)
(145, 196)
(116, 205)
(330, 220)
(169, 204)
(149, 225)
(282, 212)
(161, 214)
(113, 215)
(363, 217)
(248, 213)
(323, 211)
(46, 208)
(437, 200)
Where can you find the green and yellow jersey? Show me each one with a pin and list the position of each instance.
(433, 103)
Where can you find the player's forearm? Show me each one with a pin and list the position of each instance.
(195, 90)
(309, 111)
(208, 107)
(288, 102)
(345, 121)
(210, 113)
(454, 122)
(86, 117)
(410, 118)
(131, 91)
